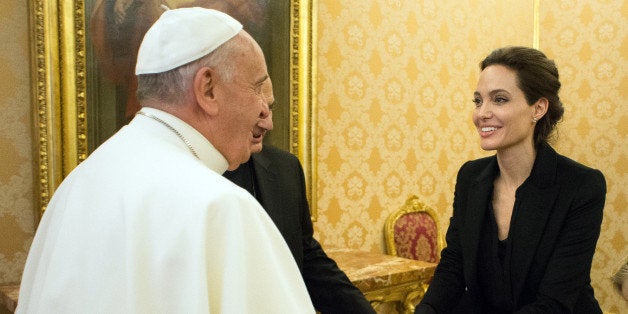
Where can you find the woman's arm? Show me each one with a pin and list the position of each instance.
(567, 275)
(447, 286)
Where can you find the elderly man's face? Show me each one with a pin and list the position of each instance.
(247, 106)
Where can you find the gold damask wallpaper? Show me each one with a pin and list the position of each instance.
(16, 151)
(589, 42)
(395, 80)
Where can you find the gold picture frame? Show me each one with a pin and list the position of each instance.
(60, 94)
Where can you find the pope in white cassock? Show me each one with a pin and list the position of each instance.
(147, 223)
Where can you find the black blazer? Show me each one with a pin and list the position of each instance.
(280, 189)
(554, 232)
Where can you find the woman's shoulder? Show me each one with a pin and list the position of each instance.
(584, 181)
(574, 170)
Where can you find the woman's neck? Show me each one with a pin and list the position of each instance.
(515, 164)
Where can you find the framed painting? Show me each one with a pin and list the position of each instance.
(83, 71)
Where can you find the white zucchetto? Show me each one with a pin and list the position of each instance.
(181, 36)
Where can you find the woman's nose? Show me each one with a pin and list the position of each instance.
(485, 113)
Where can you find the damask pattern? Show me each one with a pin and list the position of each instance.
(395, 80)
(416, 238)
(588, 42)
(16, 169)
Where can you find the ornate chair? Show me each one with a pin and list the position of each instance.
(412, 232)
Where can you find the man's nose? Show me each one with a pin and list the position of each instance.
(266, 120)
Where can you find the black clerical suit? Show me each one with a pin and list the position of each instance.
(276, 180)
(553, 233)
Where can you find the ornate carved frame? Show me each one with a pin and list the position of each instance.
(59, 97)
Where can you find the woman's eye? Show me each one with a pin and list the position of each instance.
(477, 101)
(501, 100)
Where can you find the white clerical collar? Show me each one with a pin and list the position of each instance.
(198, 144)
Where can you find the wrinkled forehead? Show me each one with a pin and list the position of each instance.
(250, 63)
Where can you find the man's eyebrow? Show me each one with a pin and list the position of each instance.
(261, 81)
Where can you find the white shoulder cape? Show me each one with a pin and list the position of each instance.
(142, 226)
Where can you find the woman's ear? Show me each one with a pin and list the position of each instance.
(540, 108)
(204, 90)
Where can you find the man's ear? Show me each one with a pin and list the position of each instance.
(204, 90)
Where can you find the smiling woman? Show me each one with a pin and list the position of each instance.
(502, 114)
(86, 88)
(507, 205)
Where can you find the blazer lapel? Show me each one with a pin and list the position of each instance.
(534, 202)
(266, 180)
(477, 204)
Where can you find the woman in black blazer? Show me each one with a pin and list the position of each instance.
(526, 220)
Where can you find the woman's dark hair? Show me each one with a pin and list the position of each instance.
(537, 77)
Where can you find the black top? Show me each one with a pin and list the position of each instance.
(494, 266)
(553, 234)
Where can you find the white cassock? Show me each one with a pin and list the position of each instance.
(143, 226)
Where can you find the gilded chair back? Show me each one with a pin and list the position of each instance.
(412, 232)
